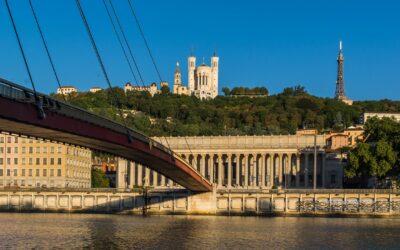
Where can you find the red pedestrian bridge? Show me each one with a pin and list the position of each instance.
(25, 112)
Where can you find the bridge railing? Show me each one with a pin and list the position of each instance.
(19, 93)
(312, 191)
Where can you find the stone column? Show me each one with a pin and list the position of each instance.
(229, 171)
(238, 167)
(203, 165)
(280, 174)
(290, 171)
(271, 170)
(121, 173)
(323, 155)
(306, 170)
(170, 183)
(131, 174)
(246, 170)
(263, 171)
(147, 177)
(140, 175)
(297, 170)
(163, 181)
(256, 171)
(220, 170)
(155, 179)
(211, 167)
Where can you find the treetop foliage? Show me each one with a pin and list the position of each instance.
(168, 114)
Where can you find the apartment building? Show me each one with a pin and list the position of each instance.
(31, 162)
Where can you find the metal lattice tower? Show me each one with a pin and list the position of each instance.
(339, 94)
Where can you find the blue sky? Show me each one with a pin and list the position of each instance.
(260, 43)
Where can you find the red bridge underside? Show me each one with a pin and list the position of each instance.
(22, 118)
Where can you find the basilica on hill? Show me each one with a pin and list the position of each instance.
(202, 80)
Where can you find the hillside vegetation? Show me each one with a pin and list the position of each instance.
(283, 113)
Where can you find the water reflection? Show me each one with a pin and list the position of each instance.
(194, 232)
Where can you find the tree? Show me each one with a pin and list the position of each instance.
(226, 91)
(99, 179)
(370, 160)
(165, 90)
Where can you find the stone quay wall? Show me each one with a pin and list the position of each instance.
(219, 202)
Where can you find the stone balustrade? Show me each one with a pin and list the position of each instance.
(310, 202)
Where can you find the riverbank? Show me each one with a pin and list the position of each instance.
(318, 203)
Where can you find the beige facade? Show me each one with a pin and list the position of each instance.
(152, 89)
(245, 162)
(203, 79)
(379, 115)
(178, 88)
(95, 89)
(28, 162)
(66, 90)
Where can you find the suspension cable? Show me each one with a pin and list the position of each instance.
(144, 39)
(39, 102)
(47, 49)
(126, 41)
(120, 41)
(103, 69)
(132, 9)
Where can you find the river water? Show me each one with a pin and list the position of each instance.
(27, 231)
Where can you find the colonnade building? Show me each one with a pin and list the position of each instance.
(246, 162)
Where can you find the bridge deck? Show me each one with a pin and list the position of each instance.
(68, 124)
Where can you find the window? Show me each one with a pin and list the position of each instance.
(44, 172)
(1, 150)
(23, 161)
(51, 172)
(9, 139)
(59, 161)
(30, 161)
(23, 150)
(37, 172)
(1, 172)
(52, 150)
(44, 161)
(16, 139)
(15, 172)
(8, 172)
(45, 150)
(37, 150)
(8, 161)
(51, 161)
(58, 172)
(1, 161)
(30, 172)
(15, 161)
(37, 161)
(23, 172)
(59, 150)
(8, 150)
(16, 150)
(31, 150)
(1, 139)
(22, 182)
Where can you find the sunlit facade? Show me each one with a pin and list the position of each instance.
(28, 162)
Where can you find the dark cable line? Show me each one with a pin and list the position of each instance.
(39, 102)
(144, 39)
(103, 69)
(120, 42)
(150, 53)
(47, 48)
(126, 42)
